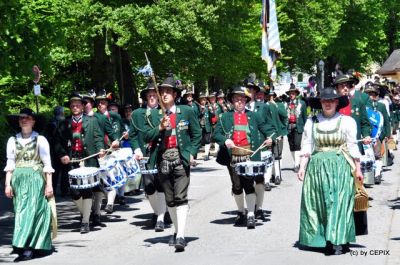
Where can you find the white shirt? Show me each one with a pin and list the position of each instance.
(348, 127)
(44, 151)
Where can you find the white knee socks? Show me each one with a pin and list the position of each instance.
(86, 207)
(251, 203)
(181, 212)
(239, 199)
(259, 190)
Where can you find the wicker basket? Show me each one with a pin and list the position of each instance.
(361, 203)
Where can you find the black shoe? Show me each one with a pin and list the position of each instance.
(272, 179)
(296, 169)
(239, 220)
(251, 222)
(378, 179)
(153, 220)
(172, 240)
(267, 187)
(24, 257)
(96, 221)
(180, 244)
(260, 215)
(346, 248)
(108, 208)
(167, 218)
(337, 250)
(122, 200)
(159, 226)
(85, 228)
(278, 180)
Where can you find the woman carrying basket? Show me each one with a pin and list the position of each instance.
(328, 157)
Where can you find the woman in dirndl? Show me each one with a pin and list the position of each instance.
(329, 155)
(29, 184)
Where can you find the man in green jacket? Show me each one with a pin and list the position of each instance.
(175, 135)
(77, 137)
(152, 185)
(205, 125)
(111, 139)
(297, 117)
(358, 102)
(236, 131)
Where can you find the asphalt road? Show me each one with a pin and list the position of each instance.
(212, 238)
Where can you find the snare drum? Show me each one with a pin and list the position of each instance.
(84, 178)
(250, 169)
(368, 169)
(112, 174)
(267, 158)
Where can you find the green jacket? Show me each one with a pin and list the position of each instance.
(105, 126)
(136, 129)
(378, 106)
(395, 113)
(276, 120)
(259, 130)
(188, 134)
(264, 111)
(359, 114)
(204, 119)
(283, 118)
(301, 117)
(91, 136)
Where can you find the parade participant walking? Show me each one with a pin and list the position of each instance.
(60, 170)
(356, 108)
(225, 106)
(205, 125)
(29, 184)
(111, 140)
(328, 157)
(126, 120)
(77, 137)
(175, 139)
(385, 132)
(213, 112)
(236, 132)
(297, 116)
(152, 186)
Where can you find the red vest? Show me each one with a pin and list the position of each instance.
(170, 138)
(292, 113)
(240, 123)
(77, 145)
(346, 110)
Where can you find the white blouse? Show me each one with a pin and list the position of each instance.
(44, 151)
(348, 127)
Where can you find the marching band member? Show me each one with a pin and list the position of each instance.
(152, 185)
(213, 112)
(373, 93)
(225, 106)
(175, 139)
(241, 128)
(297, 117)
(77, 137)
(205, 125)
(356, 108)
(110, 139)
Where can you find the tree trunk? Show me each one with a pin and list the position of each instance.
(124, 77)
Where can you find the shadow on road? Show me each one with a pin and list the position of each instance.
(165, 239)
(231, 220)
(202, 169)
(320, 250)
(394, 204)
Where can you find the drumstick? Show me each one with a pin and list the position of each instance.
(85, 158)
(244, 149)
(261, 146)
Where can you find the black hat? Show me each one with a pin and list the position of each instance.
(293, 88)
(103, 95)
(171, 83)
(354, 76)
(113, 103)
(91, 95)
(220, 94)
(75, 96)
(372, 88)
(328, 93)
(252, 82)
(150, 86)
(202, 95)
(343, 78)
(189, 90)
(240, 90)
(13, 120)
(128, 106)
(212, 94)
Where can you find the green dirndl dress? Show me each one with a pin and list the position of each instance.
(32, 227)
(327, 201)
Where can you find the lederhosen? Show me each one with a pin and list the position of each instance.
(151, 181)
(294, 137)
(241, 138)
(174, 176)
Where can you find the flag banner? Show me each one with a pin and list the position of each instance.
(270, 43)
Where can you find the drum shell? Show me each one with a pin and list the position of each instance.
(84, 178)
(250, 169)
